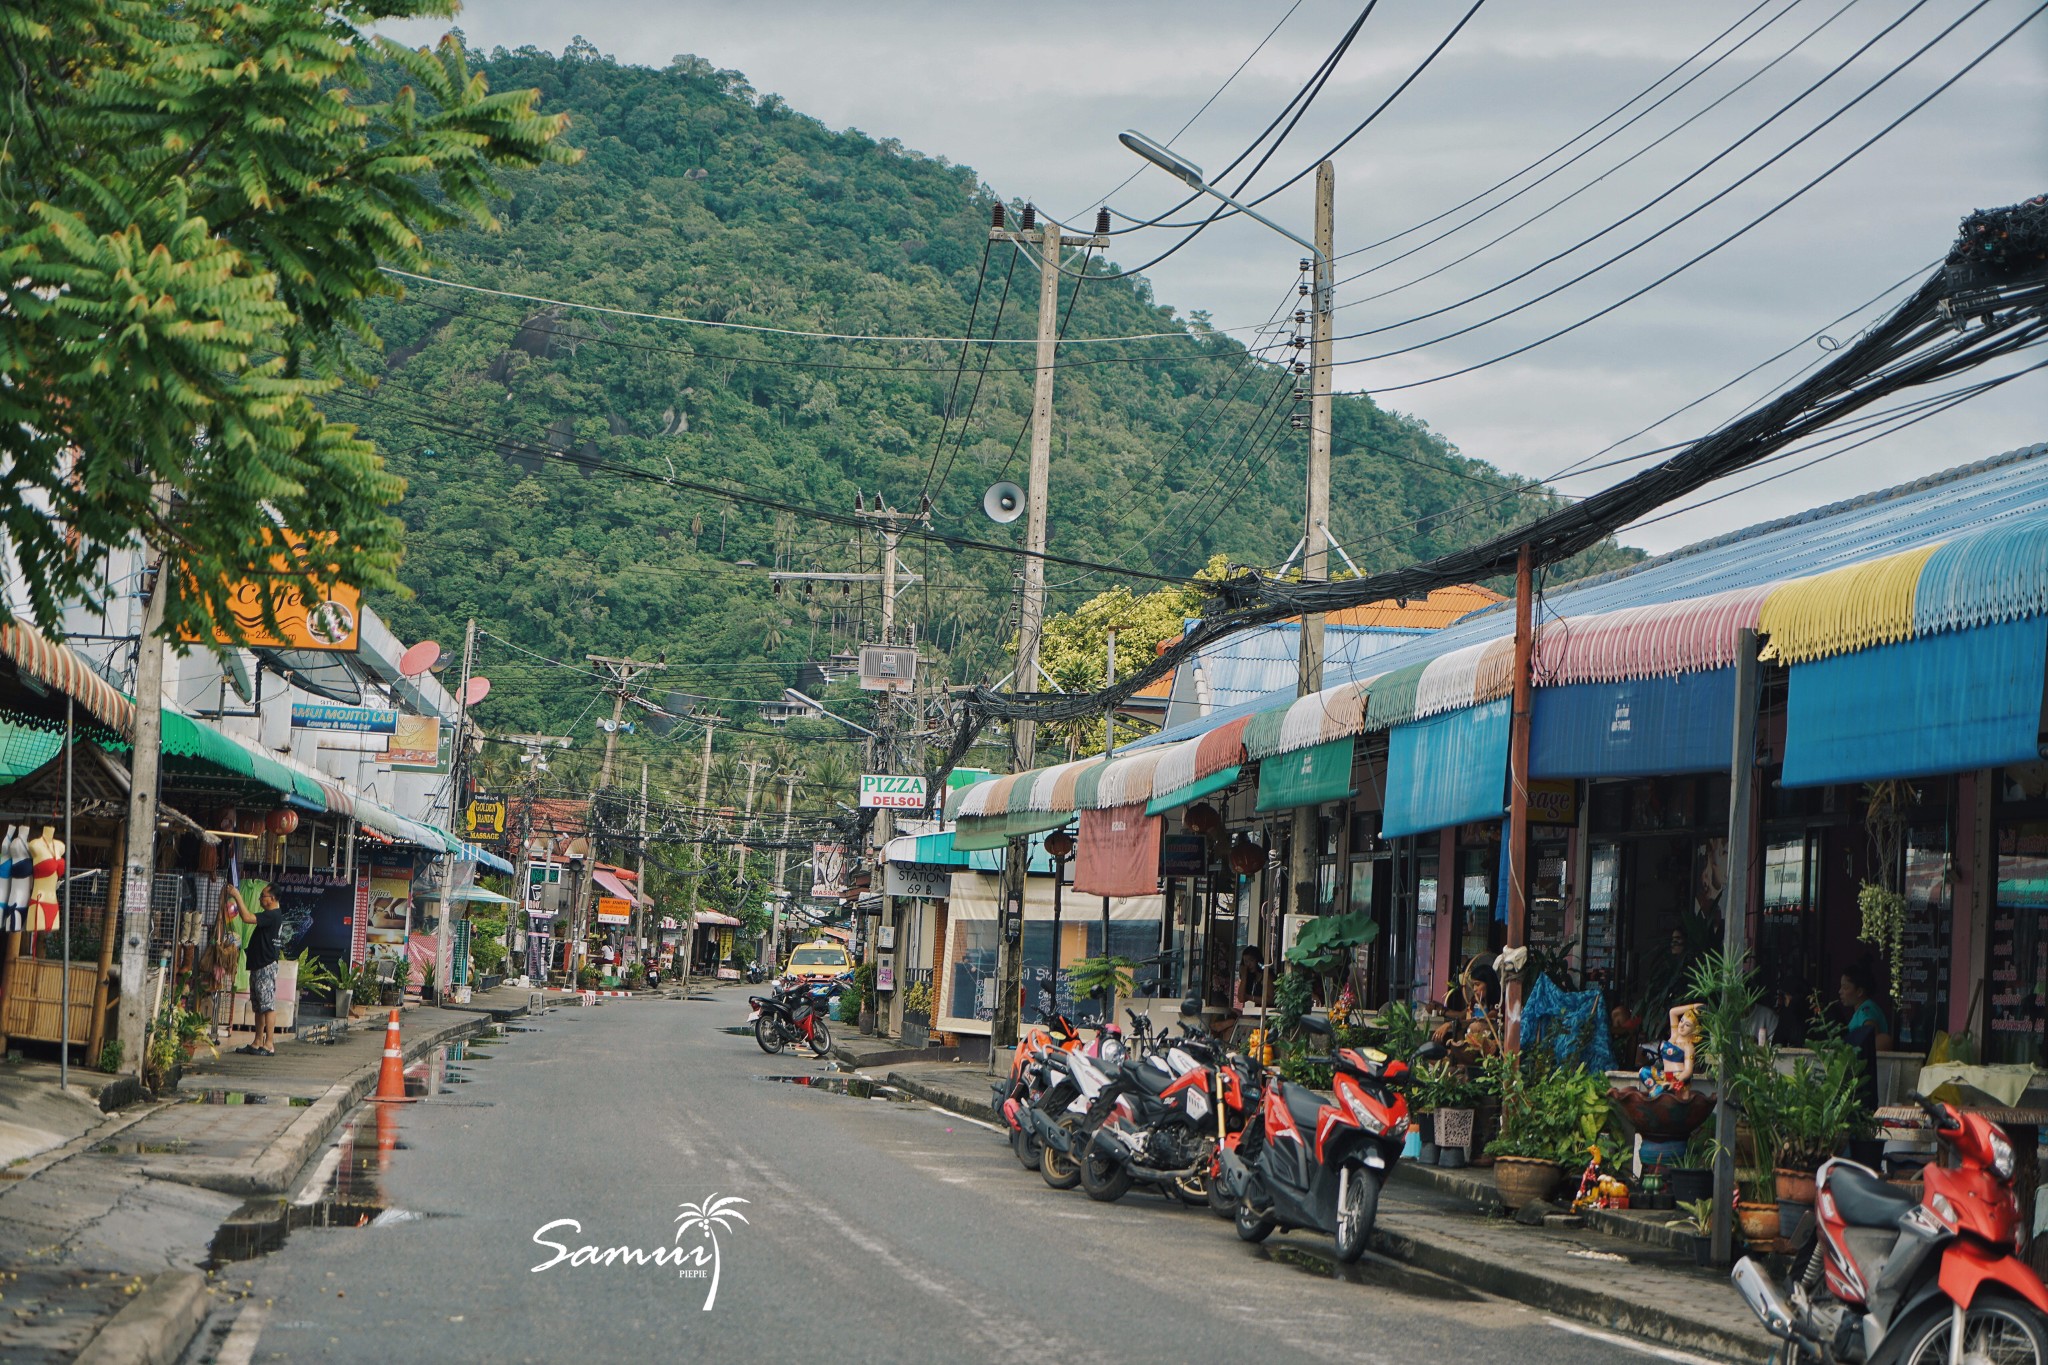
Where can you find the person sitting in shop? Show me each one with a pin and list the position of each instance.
(1867, 1028)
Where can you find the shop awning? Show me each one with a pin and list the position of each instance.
(615, 886)
(930, 850)
(1333, 713)
(473, 894)
(1466, 677)
(1036, 859)
(1639, 727)
(1844, 609)
(1391, 701)
(1944, 703)
(1689, 636)
(703, 917)
(1126, 781)
(1447, 770)
(1193, 791)
(1052, 789)
(1306, 777)
(1997, 574)
(1117, 852)
(994, 831)
(57, 667)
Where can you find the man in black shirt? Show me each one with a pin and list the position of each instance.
(264, 951)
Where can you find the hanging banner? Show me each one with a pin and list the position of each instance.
(484, 815)
(420, 744)
(828, 871)
(390, 894)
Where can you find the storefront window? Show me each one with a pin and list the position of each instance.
(1425, 925)
(1791, 884)
(1603, 894)
(1923, 975)
(971, 969)
(2018, 949)
(1476, 868)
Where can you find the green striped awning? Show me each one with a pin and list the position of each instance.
(1392, 700)
(1306, 777)
(1193, 791)
(994, 831)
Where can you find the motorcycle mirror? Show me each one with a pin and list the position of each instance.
(1431, 1051)
(1319, 1027)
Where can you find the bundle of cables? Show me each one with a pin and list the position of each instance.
(1987, 300)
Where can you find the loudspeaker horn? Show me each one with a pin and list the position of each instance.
(1004, 502)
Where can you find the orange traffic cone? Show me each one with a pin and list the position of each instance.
(391, 1079)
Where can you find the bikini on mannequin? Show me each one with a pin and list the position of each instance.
(47, 854)
(12, 921)
(19, 878)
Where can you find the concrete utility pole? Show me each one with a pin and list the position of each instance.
(622, 672)
(1305, 847)
(1735, 916)
(138, 871)
(523, 874)
(640, 872)
(1518, 787)
(444, 970)
(789, 781)
(1049, 242)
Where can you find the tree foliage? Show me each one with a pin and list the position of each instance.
(194, 206)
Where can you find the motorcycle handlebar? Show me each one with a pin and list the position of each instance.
(1937, 1113)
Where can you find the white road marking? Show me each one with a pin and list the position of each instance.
(978, 1123)
(1644, 1348)
(239, 1346)
(316, 1183)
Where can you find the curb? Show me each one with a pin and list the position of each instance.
(155, 1326)
(892, 1056)
(1569, 1298)
(945, 1099)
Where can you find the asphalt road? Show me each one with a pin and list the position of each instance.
(871, 1230)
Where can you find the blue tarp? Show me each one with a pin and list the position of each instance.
(1447, 770)
(1943, 703)
(1638, 728)
(1574, 1023)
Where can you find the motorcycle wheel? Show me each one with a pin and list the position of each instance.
(1356, 1215)
(1027, 1147)
(1060, 1170)
(1103, 1178)
(1220, 1202)
(821, 1039)
(768, 1035)
(1253, 1226)
(1998, 1329)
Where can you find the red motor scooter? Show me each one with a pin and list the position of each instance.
(1889, 1279)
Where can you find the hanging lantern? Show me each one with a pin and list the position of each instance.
(1059, 845)
(281, 821)
(1202, 818)
(1246, 857)
(224, 820)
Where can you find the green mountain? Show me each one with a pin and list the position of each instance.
(536, 440)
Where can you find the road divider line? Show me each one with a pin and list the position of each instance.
(1641, 1347)
(239, 1346)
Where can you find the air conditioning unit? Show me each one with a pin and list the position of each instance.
(1290, 930)
(887, 668)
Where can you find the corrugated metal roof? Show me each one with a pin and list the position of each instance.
(1973, 497)
(1441, 608)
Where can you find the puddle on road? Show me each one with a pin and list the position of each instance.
(740, 1030)
(168, 1147)
(1372, 1271)
(859, 1087)
(239, 1097)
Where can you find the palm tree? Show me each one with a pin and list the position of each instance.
(712, 1211)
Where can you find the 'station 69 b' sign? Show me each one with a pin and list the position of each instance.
(880, 791)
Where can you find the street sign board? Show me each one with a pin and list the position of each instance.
(484, 815)
(917, 879)
(364, 720)
(882, 791)
(614, 910)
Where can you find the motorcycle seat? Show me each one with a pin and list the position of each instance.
(1865, 1201)
(1304, 1105)
(1152, 1080)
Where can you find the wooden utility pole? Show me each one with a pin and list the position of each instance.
(1048, 241)
(1305, 849)
(138, 873)
(622, 672)
(444, 970)
(1518, 787)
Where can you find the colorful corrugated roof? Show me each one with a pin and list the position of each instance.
(1442, 607)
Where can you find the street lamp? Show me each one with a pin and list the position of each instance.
(1189, 174)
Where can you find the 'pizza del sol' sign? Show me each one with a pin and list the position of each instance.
(881, 791)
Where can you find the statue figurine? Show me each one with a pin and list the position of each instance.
(1676, 1055)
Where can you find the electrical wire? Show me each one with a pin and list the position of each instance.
(973, 311)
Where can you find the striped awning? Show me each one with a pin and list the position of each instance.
(1052, 789)
(1126, 781)
(1333, 713)
(1844, 609)
(1392, 700)
(1664, 640)
(986, 798)
(1465, 677)
(1997, 574)
(56, 666)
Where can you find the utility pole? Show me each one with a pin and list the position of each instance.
(1306, 846)
(138, 872)
(1049, 241)
(789, 781)
(523, 879)
(622, 672)
(1518, 790)
(640, 873)
(444, 969)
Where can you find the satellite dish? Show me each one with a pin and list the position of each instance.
(478, 689)
(1004, 502)
(237, 674)
(418, 659)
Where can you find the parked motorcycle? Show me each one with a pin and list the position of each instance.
(1160, 1122)
(1072, 1083)
(792, 1012)
(1026, 1081)
(1893, 1280)
(1307, 1164)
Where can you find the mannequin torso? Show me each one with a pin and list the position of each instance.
(46, 854)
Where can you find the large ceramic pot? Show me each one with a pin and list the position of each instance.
(1688, 1183)
(1794, 1187)
(1524, 1180)
(1759, 1222)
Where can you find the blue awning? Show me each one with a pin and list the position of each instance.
(1944, 703)
(1447, 770)
(1638, 728)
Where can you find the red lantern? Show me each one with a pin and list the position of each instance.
(1059, 845)
(1202, 818)
(1246, 857)
(281, 821)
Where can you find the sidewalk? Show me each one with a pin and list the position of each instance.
(135, 1196)
(1622, 1284)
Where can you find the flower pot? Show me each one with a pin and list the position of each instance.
(1687, 1183)
(1524, 1180)
(1454, 1128)
(1428, 1153)
(1451, 1158)
(344, 1001)
(1703, 1251)
(1794, 1187)
(1424, 1126)
(390, 995)
(1790, 1214)
(1759, 1222)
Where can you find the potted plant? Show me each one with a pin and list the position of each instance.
(401, 979)
(864, 996)
(1756, 1208)
(1699, 1217)
(1428, 1084)
(1804, 1113)
(1549, 1114)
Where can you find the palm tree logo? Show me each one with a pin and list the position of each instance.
(711, 1216)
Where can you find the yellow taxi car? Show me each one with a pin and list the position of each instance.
(820, 960)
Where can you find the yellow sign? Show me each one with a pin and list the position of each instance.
(614, 910)
(484, 815)
(1554, 802)
(416, 743)
(331, 620)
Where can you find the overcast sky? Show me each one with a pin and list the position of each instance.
(1032, 98)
